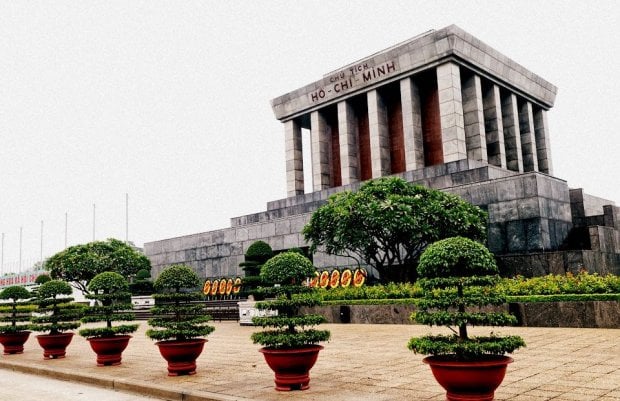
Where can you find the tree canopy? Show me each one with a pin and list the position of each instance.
(81, 263)
(388, 222)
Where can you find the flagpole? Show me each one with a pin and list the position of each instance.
(127, 218)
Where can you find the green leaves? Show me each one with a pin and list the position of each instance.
(456, 257)
(80, 263)
(459, 278)
(279, 339)
(15, 292)
(472, 348)
(15, 312)
(108, 331)
(176, 314)
(287, 268)
(176, 278)
(108, 282)
(388, 222)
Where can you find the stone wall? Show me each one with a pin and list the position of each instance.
(596, 314)
(527, 212)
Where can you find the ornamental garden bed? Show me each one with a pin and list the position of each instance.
(571, 300)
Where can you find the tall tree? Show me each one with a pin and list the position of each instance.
(78, 264)
(388, 222)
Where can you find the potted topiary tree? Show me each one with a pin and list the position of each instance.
(252, 284)
(56, 314)
(458, 276)
(179, 321)
(14, 334)
(290, 347)
(112, 298)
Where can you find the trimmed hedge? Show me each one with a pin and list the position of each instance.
(599, 288)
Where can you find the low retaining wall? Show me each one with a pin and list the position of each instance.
(594, 314)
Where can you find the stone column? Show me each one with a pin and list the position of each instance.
(543, 147)
(412, 124)
(493, 125)
(294, 158)
(349, 161)
(512, 136)
(473, 117)
(528, 141)
(451, 112)
(379, 135)
(319, 137)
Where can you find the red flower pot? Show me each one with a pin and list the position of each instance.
(109, 349)
(292, 366)
(54, 345)
(181, 355)
(469, 380)
(14, 342)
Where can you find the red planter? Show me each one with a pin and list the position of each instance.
(54, 345)
(181, 355)
(109, 349)
(14, 342)
(471, 380)
(292, 366)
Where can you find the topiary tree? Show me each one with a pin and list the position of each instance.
(15, 312)
(179, 321)
(388, 222)
(290, 329)
(42, 278)
(13, 331)
(290, 346)
(176, 317)
(56, 312)
(458, 277)
(256, 255)
(111, 292)
(80, 263)
(142, 284)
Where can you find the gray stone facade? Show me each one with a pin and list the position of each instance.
(443, 110)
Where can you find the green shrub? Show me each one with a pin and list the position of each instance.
(143, 274)
(459, 276)
(259, 251)
(581, 283)
(42, 279)
(379, 291)
(111, 292)
(14, 313)
(289, 329)
(56, 311)
(177, 315)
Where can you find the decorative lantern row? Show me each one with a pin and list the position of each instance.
(335, 278)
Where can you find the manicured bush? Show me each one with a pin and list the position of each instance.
(111, 292)
(458, 276)
(177, 313)
(42, 279)
(256, 255)
(17, 311)
(56, 311)
(581, 283)
(289, 329)
(379, 291)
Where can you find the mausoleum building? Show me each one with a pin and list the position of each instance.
(444, 110)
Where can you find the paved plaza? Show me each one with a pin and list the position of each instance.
(361, 362)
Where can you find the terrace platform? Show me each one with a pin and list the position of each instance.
(361, 362)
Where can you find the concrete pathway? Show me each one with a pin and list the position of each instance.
(361, 362)
(27, 387)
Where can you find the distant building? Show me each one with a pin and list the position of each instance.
(442, 109)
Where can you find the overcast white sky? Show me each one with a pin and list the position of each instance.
(168, 101)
